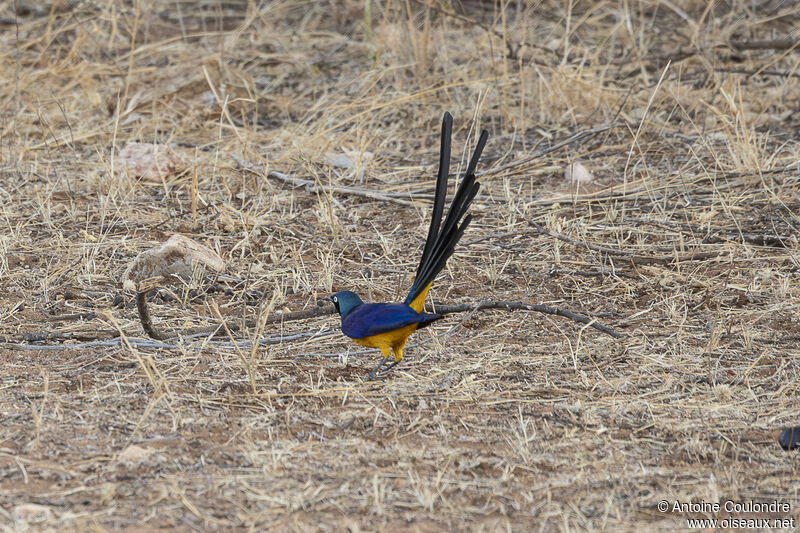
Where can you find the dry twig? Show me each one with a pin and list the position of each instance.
(313, 187)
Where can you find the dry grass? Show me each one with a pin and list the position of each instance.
(497, 420)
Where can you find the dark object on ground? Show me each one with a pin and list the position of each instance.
(789, 438)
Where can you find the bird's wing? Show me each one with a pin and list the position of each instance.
(372, 319)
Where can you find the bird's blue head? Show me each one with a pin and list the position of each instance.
(345, 301)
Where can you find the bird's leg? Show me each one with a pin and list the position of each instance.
(398, 356)
(375, 370)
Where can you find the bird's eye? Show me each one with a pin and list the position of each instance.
(335, 299)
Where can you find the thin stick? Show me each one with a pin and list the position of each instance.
(682, 54)
(524, 306)
(639, 259)
(145, 343)
(313, 187)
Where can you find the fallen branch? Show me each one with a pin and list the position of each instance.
(326, 310)
(146, 343)
(139, 343)
(72, 316)
(42, 336)
(721, 235)
(313, 187)
(772, 44)
(155, 333)
(753, 72)
(523, 306)
(630, 256)
(682, 54)
(278, 316)
(434, 308)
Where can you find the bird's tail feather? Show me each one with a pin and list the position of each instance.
(441, 242)
(441, 185)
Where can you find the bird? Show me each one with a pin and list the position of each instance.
(387, 326)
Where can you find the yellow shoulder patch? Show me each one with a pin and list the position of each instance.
(418, 303)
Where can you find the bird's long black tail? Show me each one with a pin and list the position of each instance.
(441, 241)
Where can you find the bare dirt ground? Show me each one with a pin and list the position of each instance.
(684, 241)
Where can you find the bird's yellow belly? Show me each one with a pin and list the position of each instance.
(390, 339)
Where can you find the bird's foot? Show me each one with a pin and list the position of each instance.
(373, 376)
(388, 368)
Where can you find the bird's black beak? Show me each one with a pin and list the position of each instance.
(322, 301)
